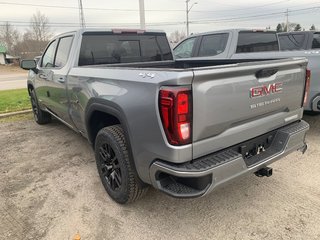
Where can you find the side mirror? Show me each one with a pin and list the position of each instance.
(29, 65)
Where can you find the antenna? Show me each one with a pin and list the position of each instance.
(81, 16)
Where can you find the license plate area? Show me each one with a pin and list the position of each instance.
(256, 146)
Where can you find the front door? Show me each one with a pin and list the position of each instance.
(53, 77)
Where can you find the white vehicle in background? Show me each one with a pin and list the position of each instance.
(256, 44)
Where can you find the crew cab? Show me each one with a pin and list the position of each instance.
(183, 126)
(255, 44)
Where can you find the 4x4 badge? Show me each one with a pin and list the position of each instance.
(144, 75)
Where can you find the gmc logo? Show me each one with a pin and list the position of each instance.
(265, 90)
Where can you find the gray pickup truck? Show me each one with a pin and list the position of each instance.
(253, 44)
(184, 127)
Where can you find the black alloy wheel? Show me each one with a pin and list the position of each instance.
(110, 167)
(116, 167)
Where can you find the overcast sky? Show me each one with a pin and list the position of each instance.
(168, 15)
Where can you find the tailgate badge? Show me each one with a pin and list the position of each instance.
(265, 90)
(144, 75)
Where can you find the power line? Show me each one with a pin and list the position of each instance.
(201, 21)
(137, 10)
(89, 8)
(254, 16)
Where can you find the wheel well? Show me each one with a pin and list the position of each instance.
(99, 120)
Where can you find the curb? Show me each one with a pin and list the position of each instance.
(3, 115)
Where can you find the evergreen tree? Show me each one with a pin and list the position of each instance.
(297, 27)
(279, 28)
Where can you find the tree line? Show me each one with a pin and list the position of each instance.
(30, 43)
(283, 27)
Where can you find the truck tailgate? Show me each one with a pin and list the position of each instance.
(234, 103)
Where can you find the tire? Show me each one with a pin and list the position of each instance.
(117, 174)
(40, 116)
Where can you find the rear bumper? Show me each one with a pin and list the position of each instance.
(202, 175)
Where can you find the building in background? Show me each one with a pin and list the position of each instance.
(6, 58)
(3, 51)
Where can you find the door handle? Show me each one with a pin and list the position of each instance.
(265, 73)
(42, 76)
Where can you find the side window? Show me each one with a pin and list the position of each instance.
(257, 42)
(316, 40)
(48, 57)
(63, 51)
(184, 50)
(291, 41)
(213, 44)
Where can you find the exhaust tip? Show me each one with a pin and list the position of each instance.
(264, 172)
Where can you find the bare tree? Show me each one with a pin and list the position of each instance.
(176, 37)
(35, 38)
(39, 27)
(9, 36)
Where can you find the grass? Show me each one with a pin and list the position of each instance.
(14, 100)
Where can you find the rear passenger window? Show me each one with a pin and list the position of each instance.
(213, 44)
(316, 40)
(63, 51)
(257, 42)
(291, 41)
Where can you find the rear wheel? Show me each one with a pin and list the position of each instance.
(40, 116)
(114, 166)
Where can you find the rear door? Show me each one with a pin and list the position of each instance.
(234, 103)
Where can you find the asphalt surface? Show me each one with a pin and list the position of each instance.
(13, 81)
(50, 189)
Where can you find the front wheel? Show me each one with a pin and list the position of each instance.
(114, 166)
(40, 116)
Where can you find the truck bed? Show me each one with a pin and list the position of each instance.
(180, 64)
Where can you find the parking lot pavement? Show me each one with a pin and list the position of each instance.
(50, 189)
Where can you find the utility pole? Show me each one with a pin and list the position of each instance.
(142, 15)
(81, 16)
(187, 14)
(287, 20)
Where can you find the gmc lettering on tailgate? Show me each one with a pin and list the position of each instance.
(265, 90)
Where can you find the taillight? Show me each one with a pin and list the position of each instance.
(175, 106)
(307, 86)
